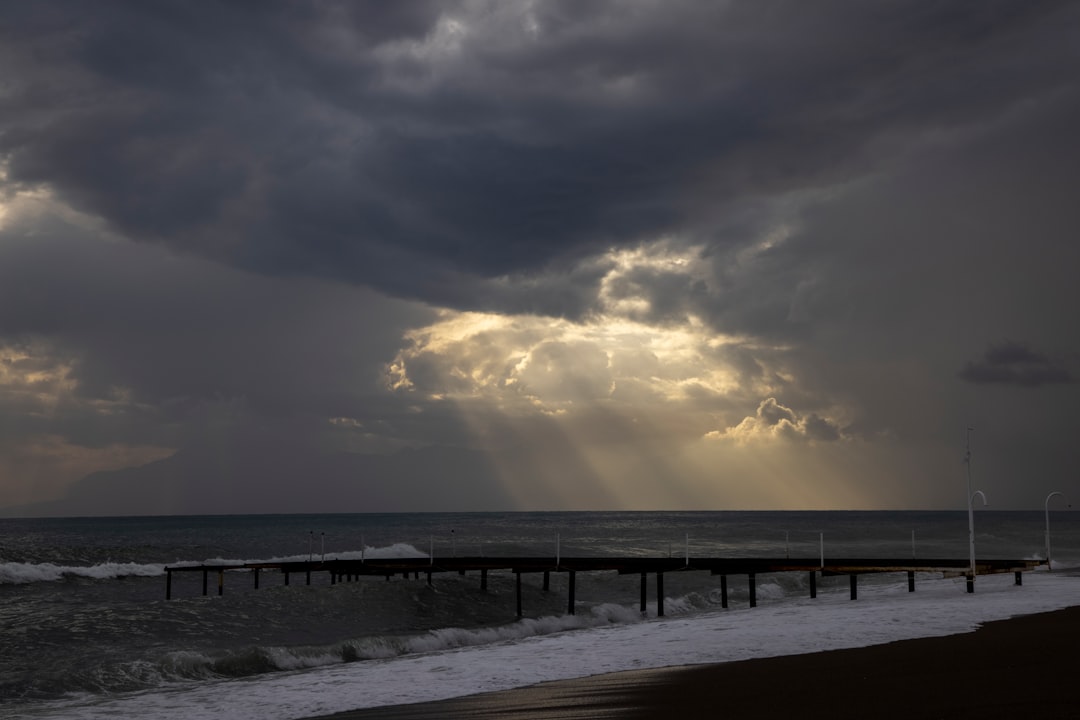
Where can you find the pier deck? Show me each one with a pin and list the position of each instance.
(343, 570)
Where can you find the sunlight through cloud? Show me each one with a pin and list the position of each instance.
(551, 364)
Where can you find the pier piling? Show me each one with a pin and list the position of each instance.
(659, 594)
(517, 584)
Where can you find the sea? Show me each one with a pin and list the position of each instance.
(86, 630)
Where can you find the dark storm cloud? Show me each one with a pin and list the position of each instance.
(1014, 363)
(167, 343)
(370, 143)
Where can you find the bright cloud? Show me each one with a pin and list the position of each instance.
(632, 356)
(773, 421)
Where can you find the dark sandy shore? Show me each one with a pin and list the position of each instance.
(1027, 667)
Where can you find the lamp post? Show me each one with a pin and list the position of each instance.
(971, 512)
(1046, 506)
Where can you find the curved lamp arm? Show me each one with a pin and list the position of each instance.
(1046, 506)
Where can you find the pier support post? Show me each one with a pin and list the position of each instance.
(220, 582)
(853, 580)
(483, 579)
(307, 576)
(168, 584)
(517, 584)
(286, 577)
(1019, 578)
(813, 584)
(644, 577)
(911, 581)
(753, 590)
(333, 578)
(570, 595)
(547, 580)
(723, 591)
(971, 583)
(659, 594)
(204, 585)
(429, 577)
(255, 577)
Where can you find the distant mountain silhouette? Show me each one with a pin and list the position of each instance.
(255, 479)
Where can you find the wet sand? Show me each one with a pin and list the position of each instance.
(1022, 668)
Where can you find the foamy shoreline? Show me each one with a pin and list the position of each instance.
(1020, 667)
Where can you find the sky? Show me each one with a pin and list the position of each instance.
(416, 256)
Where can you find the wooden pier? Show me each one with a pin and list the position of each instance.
(349, 570)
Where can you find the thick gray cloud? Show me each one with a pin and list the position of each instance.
(263, 220)
(172, 331)
(422, 148)
(1014, 363)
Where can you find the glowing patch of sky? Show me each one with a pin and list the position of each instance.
(639, 413)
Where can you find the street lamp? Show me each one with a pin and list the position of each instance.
(971, 512)
(1046, 505)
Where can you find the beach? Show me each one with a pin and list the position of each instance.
(1024, 667)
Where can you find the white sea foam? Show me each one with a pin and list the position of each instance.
(452, 663)
(13, 573)
(16, 573)
(397, 550)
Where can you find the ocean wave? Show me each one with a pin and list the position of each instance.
(18, 573)
(397, 550)
(13, 573)
(186, 666)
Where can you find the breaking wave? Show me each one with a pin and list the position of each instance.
(20, 573)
